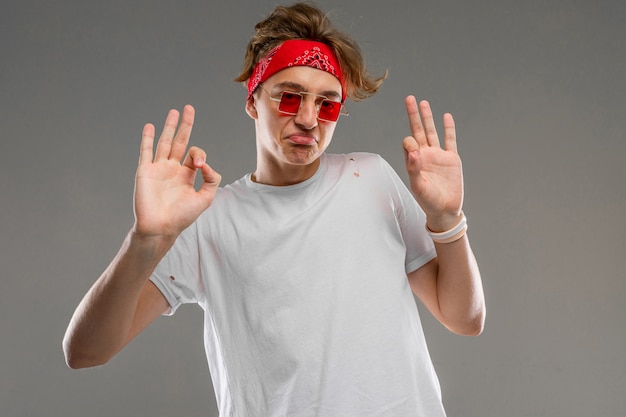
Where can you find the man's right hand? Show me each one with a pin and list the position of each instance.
(123, 302)
(166, 201)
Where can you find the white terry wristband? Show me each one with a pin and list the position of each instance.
(452, 235)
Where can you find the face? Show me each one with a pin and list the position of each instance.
(289, 146)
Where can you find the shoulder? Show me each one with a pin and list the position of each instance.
(363, 163)
(226, 201)
(357, 162)
(234, 191)
(365, 157)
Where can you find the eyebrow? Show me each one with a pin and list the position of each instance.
(299, 87)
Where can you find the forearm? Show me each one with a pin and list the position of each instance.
(102, 323)
(459, 288)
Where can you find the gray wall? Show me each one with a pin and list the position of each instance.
(538, 91)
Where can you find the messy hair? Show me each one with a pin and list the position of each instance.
(306, 21)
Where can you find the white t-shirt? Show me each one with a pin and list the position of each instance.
(308, 310)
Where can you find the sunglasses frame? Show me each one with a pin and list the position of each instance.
(301, 94)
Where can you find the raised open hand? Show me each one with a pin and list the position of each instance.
(166, 201)
(435, 173)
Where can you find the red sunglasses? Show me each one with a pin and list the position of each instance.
(290, 102)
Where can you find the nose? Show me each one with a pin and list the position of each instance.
(307, 114)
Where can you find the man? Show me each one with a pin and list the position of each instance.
(305, 267)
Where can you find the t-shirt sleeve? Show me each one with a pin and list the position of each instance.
(420, 248)
(178, 275)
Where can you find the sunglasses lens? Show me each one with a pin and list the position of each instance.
(290, 102)
(329, 110)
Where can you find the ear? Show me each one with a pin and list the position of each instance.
(251, 108)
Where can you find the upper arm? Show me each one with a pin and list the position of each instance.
(455, 299)
(99, 330)
(152, 303)
(423, 282)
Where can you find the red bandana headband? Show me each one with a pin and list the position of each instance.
(296, 53)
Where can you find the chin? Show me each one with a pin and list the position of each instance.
(302, 155)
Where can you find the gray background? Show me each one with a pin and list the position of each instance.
(537, 89)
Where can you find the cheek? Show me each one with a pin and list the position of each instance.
(273, 128)
(268, 120)
(328, 132)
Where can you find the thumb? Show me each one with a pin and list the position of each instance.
(410, 144)
(411, 154)
(210, 181)
(211, 178)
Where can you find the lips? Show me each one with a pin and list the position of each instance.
(302, 139)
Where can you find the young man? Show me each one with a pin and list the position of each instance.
(305, 268)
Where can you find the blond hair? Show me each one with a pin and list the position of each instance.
(307, 21)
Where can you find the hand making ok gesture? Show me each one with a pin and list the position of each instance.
(166, 201)
(435, 173)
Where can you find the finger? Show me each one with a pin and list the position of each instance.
(415, 121)
(195, 159)
(211, 179)
(410, 146)
(429, 124)
(449, 133)
(147, 143)
(165, 141)
(181, 140)
(411, 155)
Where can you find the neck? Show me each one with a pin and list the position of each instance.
(277, 174)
